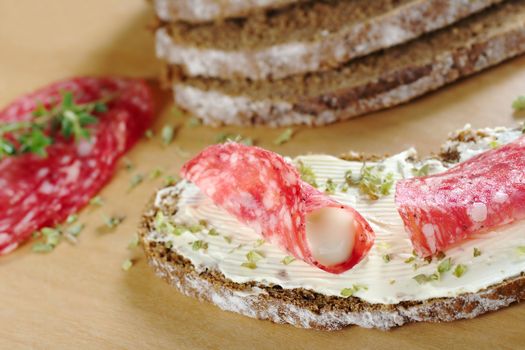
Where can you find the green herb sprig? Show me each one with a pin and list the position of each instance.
(307, 173)
(67, 119)
(519, 103)
(373, 181)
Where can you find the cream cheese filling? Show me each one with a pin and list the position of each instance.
(385, 276)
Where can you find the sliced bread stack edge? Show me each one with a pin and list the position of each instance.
(317, 62)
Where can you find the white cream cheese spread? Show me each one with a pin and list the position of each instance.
(386, 275)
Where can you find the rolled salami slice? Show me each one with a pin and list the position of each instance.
(265, 192)
(481, 193)
(35, 191)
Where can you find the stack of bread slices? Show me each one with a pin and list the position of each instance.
(284, 62)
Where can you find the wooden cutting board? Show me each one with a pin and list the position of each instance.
(79, 297)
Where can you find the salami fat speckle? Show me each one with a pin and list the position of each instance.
(484, 192)
(36, 192)
(265, 192)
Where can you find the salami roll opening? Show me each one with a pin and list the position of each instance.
(330, 233)
(266, 193)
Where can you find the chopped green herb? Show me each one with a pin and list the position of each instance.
(307, 174)
(149, 134)
(112, 222)
(344, 187)
(179, 230)
(494, 144)
(135, 181)
(476, 252)
(155, 173)
(41, 247)
(167, 133)
(521, 249)
(330, 186)
(519, 103)
(387, 258)
(375, 182)
(170, 180)
(422, 278)
(75, 230)
(459, 270)
(213, 232)
(348, 292)
(287, 260)
(127, 264)
(196, 228)
(410, 260)
(96, 201)
(254, 256)
(199, 244)
(162, 225)
(423, 171)
(51, 235)
(284, 137)
(360, 287)
(71, 219)
(128, 164)
(228, 239)
(224, 137)
(445, 265)
(383, 245)
(67, 119)
(193, 122)
(350, 179)
(392, 281)
(249, 265)
(259, 243)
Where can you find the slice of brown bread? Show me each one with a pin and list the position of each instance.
(374, 82)
(306, 37)
(195, 11)
(307, 308)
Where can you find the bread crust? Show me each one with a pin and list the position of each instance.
(309, 309)
(198, 11)
(324, 50)
(380, 91)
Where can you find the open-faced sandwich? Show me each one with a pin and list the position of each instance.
(326, 242)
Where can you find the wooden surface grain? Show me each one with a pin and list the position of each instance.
(78, 297)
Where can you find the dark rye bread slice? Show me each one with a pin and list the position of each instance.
(309, 309)
(195, 11)
(371, 83)
(305, 37)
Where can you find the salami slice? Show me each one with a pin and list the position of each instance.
(265, 192)
(36, 192)
(484, 192)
